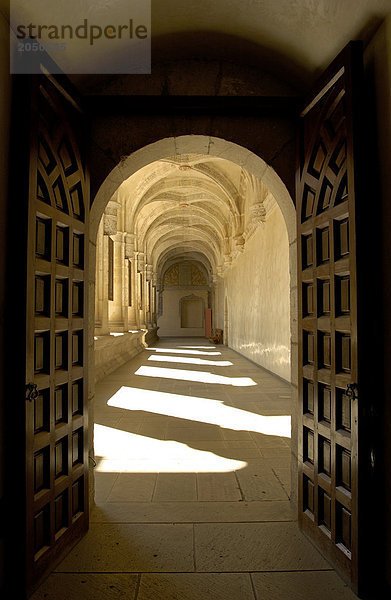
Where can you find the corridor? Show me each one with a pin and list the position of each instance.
(192, 484)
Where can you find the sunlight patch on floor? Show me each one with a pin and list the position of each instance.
(201, 410)
(190, 361)
(201, 376)
(199, 347)
(121, 451)
(180, 351)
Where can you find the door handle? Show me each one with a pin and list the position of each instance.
(31, 392)
(351, 391)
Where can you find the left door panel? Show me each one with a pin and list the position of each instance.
(56, 419)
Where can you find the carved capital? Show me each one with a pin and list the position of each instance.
(148, 272)
(258, 213)
(112, 207)
(227, 260)
(110, 218)
(140, 261)
(109, 225)
(239, 242)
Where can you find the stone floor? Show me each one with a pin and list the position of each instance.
(192, 487)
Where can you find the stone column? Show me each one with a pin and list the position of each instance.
(148, 288)
(100, 319)
(219, 294)
(154, 300)
(104, 284)
(109, 225)
(130, 255)
(215, 301)
(116, 306)
(141, 288)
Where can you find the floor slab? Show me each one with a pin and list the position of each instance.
(130, 548)
(254, 547)
(133, 487)
(192, 512)
(196, 586)
(259, 482)
(301, 586)
(218, 487)
(88, 586)
(174, 486)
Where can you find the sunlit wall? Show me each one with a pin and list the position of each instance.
(254, 298)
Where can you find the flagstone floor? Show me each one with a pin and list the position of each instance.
(192, 445)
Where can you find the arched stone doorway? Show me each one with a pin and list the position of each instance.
(214, 147)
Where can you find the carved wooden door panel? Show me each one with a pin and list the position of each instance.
(56, 359)
(331, 399)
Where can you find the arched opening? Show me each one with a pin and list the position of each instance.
(166, 264)
(183, 287)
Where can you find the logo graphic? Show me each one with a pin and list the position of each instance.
(81, 36)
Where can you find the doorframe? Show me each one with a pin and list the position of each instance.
(14, 505)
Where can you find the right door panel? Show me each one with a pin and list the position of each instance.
(329, 450)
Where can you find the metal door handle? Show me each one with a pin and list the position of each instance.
(351, 391)
(31, 392)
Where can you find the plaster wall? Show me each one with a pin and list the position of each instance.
(256, 289)
(169, 322)
(118, 135)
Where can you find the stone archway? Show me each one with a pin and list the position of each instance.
(214, 147)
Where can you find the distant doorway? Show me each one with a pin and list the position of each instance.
(192, 312)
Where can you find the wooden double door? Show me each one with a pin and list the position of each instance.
(334, 446)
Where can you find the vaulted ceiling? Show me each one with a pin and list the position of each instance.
(296, 37)
(309, 32)
(192, 207)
